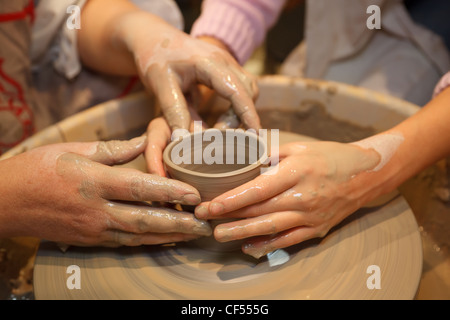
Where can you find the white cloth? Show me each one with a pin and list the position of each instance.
(61, 83)
(402, 59)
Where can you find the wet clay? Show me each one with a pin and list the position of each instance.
(312, 120)
(384, 144)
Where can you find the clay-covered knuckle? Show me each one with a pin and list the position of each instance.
(162, 221)
(211, 73)
(191, 225)
(148, 188)
(247, 80)
(179, 192)
(138, 188)
(187, 223)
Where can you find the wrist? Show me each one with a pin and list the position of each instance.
(134, 26)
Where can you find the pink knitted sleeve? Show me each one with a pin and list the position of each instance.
(240, 24)
(443, 84)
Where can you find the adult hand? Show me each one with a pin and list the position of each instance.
(171, 63)
(316, 185)
(71, 193)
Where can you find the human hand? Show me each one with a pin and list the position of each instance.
(69, 193)
(159, 135)
(317, 185)
(171, 63)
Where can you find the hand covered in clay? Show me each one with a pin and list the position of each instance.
(71, 193)
(313, 188)
(171, 63)
(159, 134)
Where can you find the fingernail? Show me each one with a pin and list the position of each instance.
(201, 212)
(216, 208)
(191, 199)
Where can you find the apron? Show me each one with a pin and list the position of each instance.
(42, 80)
(16, 102)
(401, 59)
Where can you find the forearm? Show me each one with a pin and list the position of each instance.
(412, 145)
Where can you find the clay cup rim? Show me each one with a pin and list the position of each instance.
(260, 162)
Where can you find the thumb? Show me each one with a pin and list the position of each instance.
(118, 152)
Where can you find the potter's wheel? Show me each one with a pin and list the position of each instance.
(335, 267)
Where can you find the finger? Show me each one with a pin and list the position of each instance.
(112, 152)
(262, 225)
(119, 238)
(261, 188)
(260, 246)
(225, 82)
(285, 201)
(140, 219)
(115, 239)
(158, 136)
(126, 184)
(118, 152)
(166, 87)
(248, 80)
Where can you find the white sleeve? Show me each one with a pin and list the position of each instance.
(53, 40)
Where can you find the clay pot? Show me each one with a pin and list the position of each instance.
(214, 166)
(215, 161)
